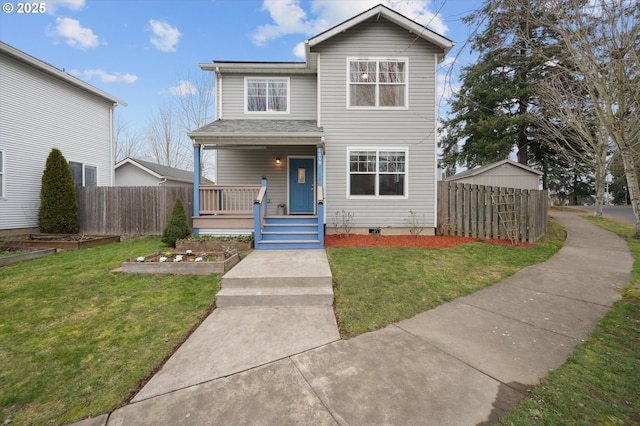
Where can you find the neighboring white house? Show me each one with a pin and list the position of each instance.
(351, 129)
(505, 173)
(134, 172)
(42, 107)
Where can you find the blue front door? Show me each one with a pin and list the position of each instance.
(301, 185)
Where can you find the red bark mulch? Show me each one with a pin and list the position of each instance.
(437, 241)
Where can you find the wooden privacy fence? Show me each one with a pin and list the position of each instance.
(485, 212)
(128, 210)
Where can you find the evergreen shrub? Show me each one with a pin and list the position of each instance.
(58, 211)
(177, 226)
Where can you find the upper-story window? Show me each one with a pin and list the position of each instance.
(266, 95)
(377, 83)
(84, 174)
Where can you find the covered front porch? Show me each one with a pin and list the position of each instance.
(269, 182)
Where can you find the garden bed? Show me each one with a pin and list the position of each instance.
(213, 245)
(60, 241)
(188, 263)
(429, 241)
(22, 254)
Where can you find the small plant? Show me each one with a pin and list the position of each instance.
(343, 222)
(416, 223)
(282, 205)
(177, 226)
(228, 251)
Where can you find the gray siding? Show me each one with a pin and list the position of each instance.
(506, 176)
(412, 128)
(248, 167)
(39, 112)
(302, 98)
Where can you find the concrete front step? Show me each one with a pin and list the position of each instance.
(275, 296)
(276, 281)
(278, 278)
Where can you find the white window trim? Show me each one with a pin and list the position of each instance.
(246, 94)
(83, 171)
(377, 107)
(377, 149)
(3, 174)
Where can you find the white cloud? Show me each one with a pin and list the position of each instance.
(183, 88)
(54, 5)
(75, 34)
(165, 37)
(290, 18)
(300, 50)
(105, 77)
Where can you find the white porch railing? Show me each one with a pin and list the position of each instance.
(228, 199)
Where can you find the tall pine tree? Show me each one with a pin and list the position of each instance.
(492, 113)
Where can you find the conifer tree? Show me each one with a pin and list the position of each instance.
(492, 112)
(177, 226)
(58, 211)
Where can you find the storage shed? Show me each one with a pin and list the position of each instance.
(134, 172)
(505, 173)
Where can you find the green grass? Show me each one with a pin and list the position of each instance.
(375, 287)
(77, 340)
(7, 252)
(600, 383)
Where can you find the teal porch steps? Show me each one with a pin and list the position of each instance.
(290, 232)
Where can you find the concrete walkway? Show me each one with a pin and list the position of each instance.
(463, 363)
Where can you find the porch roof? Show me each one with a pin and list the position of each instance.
(259, 132)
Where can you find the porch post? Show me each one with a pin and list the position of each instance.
(319, 151)
(320, 199)
(266, 196)
(196, 184)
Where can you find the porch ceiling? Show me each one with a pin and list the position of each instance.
(258, 132)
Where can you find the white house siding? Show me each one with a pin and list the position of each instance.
(40, 112)
(248, 167)
(302, 98)
(412, 128)
(130, 175)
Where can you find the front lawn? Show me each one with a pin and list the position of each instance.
(375, 287)
(77, 340)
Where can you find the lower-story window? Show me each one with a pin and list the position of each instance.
(84, 174)
(377, 172)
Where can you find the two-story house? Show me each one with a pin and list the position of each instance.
(43, 107)
(349, 132)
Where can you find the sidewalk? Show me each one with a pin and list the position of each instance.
(463, 363)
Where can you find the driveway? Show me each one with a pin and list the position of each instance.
(622, 214)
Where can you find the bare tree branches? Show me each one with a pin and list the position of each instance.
(127, 141)
(166, 139)
(602, 42)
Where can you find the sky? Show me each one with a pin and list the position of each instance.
(142, 51)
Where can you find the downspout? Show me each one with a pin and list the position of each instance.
(112, 148)
(435, 141)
